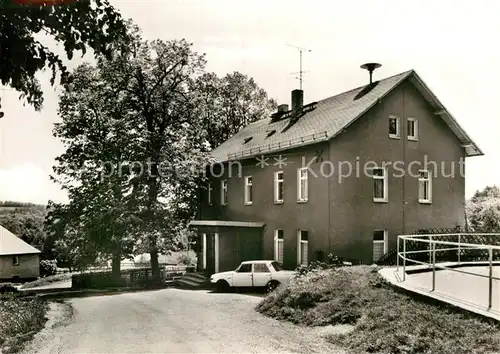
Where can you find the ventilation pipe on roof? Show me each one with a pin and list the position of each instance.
(297, 101)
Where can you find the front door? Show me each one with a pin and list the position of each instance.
(210, 253)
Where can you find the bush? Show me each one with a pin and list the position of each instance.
(188, 259)
(21, 319)
(332, 262)
(319, 297)
(48, 267)
(8, 288)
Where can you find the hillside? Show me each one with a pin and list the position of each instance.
(13, 206)
(26, 221)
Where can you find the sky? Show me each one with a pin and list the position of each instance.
(452, 45)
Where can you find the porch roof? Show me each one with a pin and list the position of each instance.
(226, 223)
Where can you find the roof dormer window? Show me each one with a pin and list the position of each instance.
(247, 139)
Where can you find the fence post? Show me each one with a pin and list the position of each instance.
(404, 259)
(433, 246)
(459, 248)
(490, 278)
(430, 249)
(397, 255)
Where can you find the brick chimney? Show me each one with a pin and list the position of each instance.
(297, 101)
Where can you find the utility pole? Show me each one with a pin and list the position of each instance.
(300, 72)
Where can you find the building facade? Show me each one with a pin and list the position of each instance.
(345, 175)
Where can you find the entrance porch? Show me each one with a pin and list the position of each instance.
(223, 245)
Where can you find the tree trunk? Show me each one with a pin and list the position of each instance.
(155, 146)
(155, 267)
(153, 201)
(115, 268)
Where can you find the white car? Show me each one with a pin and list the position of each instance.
(268, 274)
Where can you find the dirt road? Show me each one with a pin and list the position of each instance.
(173, 321)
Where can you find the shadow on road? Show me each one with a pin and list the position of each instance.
(249, 292)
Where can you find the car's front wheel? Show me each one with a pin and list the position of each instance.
(272, 285)
(221, 286)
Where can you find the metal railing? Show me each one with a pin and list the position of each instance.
(454, 249)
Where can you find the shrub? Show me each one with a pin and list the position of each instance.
(188, 259)
(6, 288)
(48, 267)
(21, 319)
(318, 297)
(332, 262)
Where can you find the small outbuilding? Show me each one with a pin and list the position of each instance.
(18, 259)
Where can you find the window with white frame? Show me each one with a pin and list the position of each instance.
(302, 184)
(248, 190)
(223, 192)
(209, 194)
(424, 187)
(278, 245)
(412, 129)
(15, 260)
(302, 249)
(379, 176)
(393, 127)
(278, 187)
(379, 244)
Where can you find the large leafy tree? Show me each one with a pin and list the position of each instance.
(56, 226)
(156, 92)
(72, 247)
(88, 229)
(78, 25)
(145, 95)
(229, 104)
(157, 80)
(483, 210)
(96, 134)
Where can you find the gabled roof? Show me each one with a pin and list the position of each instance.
(10, 244)
(327, 119)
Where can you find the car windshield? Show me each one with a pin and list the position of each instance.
(277, 266)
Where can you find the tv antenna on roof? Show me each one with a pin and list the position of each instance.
(300, 72)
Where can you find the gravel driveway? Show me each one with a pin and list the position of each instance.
(173, 321)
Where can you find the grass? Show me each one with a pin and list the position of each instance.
(383, 320)
(48, 280)
(20, 320)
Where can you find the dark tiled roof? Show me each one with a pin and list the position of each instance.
(10, 244)
(329, 117)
